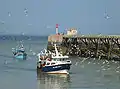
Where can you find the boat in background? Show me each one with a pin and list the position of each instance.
(19, 53)
(53, 62)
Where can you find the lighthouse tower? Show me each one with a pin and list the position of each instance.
(56, 28)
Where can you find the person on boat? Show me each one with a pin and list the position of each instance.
(22, 49)
(14, 53)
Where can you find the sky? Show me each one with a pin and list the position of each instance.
(39, 17)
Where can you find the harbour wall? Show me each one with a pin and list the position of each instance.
(92, 46)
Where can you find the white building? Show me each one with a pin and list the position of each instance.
(72, 31)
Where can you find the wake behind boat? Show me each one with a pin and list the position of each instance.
(53, 62)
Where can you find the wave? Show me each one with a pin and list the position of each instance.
(7, 56)
(4, 67)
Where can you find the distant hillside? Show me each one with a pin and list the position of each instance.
(22, 37)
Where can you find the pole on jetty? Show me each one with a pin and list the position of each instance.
(109, 48)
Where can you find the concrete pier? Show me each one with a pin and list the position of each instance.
(97, 46)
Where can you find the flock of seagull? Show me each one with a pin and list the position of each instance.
(10, 15)
(102, 64)
(106, 16)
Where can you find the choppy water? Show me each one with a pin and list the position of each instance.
(84, 73)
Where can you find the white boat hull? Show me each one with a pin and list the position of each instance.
(59, 72)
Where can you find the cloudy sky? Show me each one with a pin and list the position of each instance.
(38, 17)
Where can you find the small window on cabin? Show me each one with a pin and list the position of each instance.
(52, 63)
(55, 59)
(19, 54)
(58, 59)
(61, 59)
(48, 63)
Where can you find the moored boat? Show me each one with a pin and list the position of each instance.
(53, 62)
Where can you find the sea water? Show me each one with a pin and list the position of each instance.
(85, 73)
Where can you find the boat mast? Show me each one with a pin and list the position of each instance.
(56, 51)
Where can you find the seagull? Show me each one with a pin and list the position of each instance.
(89, 62)
(29, 24)
(2, 22)
(9, 14)
(106, 16)
(76, 63)
(30, 50)
(26, 12)
(49, 52)
(48, 27)
(45, 50)
(42, 52)
(117, 71)
(23, 33)
(5, 62)
(33, 53)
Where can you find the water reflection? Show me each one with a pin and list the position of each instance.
(53, 81)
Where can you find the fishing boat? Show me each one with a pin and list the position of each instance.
(19, 53)
(53, 62)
